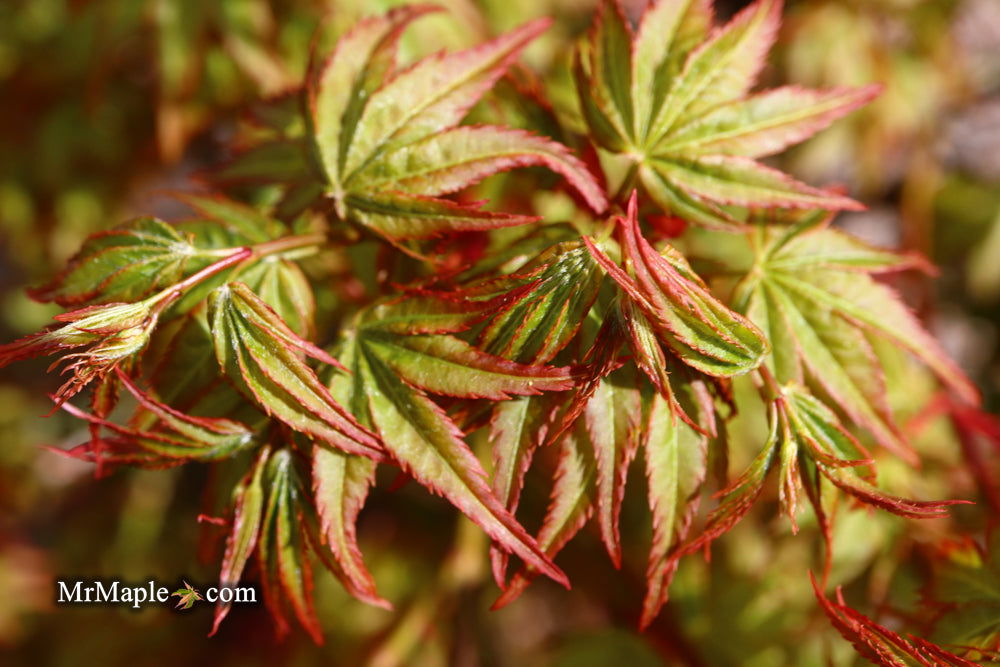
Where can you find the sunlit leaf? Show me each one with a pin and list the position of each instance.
(263, 357)
(811, 291)
(671, 96)
(687, 318)
(387, 138)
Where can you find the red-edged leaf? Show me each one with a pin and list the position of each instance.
(457, 158)
(517, 428)
(739, 181)
(429, 447)
(338, 94)
(446, 365)
(721, 69)
(242, 540)
(287, 575)
(676, 458)
(880, 644)
(612, 418)
(571, 504)
(766, 123)
(399, 216)
(432, 95)
(696, 326)
(262, 356)
(340, 484)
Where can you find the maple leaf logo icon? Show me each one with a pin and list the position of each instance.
(188, 596)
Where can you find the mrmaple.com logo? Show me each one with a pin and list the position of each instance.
(112, 592)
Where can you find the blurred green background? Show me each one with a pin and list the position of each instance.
(107, 105)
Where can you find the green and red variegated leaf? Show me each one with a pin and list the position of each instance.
(540, 321)
(399, 216)
(676, 464)
(841, 459)
(608, 67)
(645, 347)
(877, 308)
(604, 122)
(454, 159)
(672, 99)
(387, 138)
(806, 439)
(340, 488)
(213, 433)
(878, 643)
(667, 32)
(168, 448)
(262, 357)
(696, 326)
(283, 286)
(340, 485)
(841, 360)
(571, 505)
(733, 180)
(737, 499)
(342, 87)
(548, 311)
(448, 366)
(809, 242)
(612, 417)
(433, 95)
(242, 540)
(517, 428)
(429, 447)
(427, 313)
(766, 123)
(811, 293)
(126, 263)
(284, 558)
(722, 69)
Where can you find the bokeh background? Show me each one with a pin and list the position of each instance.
(107, 105)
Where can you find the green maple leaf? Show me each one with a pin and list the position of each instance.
(812, 290)
(260, 353)
(671, 97)
(676, 308)
(382, 143)
(808, 445)
(387, 138)
(391, 374)
(188, 596)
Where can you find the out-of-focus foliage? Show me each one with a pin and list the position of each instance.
(109, 103)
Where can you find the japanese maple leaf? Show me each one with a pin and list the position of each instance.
(812, 290)
(400, 352)
(666, 300)
(188, 596)
(671, 96)
(388, 142)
